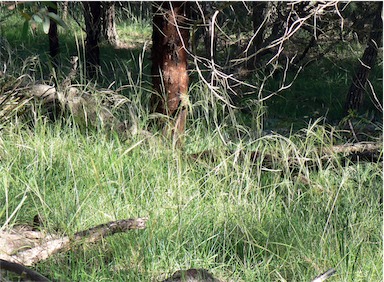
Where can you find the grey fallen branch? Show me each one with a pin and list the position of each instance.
(363, 151)
(324, 276)
(39, 247)
(88, 108)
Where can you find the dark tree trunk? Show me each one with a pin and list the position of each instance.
(109, 26)
(266, 16)
(208, 10)
(201, 13)
(169, 62)
(259, 24)
(357, 89)
(92, 15)
(53, 35)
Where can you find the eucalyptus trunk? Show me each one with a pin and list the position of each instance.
(109, 25)
(169, 62)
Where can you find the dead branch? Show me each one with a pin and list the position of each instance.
(356, 148)
(362, 151)
(325, 275)
(22, 271)
(96, 233)
(30, 249)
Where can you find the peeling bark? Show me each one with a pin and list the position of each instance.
(65, 10)
(109, 25)
(169, 62)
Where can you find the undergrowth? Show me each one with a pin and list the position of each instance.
(231, 214)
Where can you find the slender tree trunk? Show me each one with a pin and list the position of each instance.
(357, 89)
(65, 10)
(259, 23)
(202, 13)
(53, 35)
(208, 9)
(92, 15)
(169, 62)
(109, 26)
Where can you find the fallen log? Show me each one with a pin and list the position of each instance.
(44, 246)
(365, 151)
(362, 151)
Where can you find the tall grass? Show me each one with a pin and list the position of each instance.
(232, 215)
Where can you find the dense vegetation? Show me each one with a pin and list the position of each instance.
(288, 214)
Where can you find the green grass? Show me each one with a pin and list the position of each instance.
(229, 215)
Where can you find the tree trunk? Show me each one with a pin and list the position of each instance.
(65, 10)
(201, 14)
(109, 26)
(259, 23)
(357, 89)
(208, 9)
(92, 15)
(169, 62)
(53, 35)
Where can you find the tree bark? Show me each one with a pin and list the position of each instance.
(259, 23)
(109, 26)
(169, 62)
(92, 15)
(356, 91)
(65, 10)
(53, 36)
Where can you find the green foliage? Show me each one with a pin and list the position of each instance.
(37, 14)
